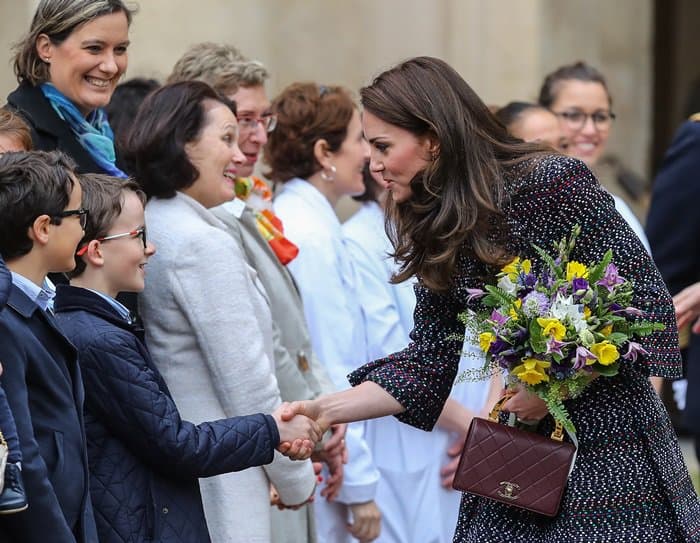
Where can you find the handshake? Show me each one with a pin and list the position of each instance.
(301, 427)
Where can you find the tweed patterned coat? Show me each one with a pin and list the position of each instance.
(630, 482)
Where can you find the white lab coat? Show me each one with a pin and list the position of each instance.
(325, 278)
(409, 494)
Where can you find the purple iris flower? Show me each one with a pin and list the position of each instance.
(579, 283)
(529, 280)
(554, 346)
(633, 351)
(611, 278)
(583, 355)
(474, 293)
(498, 318)
(498, 346)
(634, 312)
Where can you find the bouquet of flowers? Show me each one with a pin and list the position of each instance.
(554, 332)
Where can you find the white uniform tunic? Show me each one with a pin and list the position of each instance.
(325, 277)
(409, 494)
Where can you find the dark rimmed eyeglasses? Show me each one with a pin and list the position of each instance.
(576, 119)
(138, 233)
(82, 214)
(267, 120)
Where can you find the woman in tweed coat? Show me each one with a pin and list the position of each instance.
(467, 198)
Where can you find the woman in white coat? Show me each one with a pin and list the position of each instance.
(207, 320)
(411, 492)
(318, 152)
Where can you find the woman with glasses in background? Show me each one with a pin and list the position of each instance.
(535, 123)
(578, 95)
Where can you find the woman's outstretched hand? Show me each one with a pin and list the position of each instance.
(298, 433)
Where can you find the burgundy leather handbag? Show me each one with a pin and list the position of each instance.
(514, 466)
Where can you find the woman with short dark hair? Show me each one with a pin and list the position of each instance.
(206, 315)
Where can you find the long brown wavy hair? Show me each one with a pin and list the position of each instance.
(456, 202)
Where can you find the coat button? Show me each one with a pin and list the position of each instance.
(165, 510)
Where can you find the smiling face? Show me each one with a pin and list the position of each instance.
(586, 142)
(125, 257)
(87, 65)
(396, 155)
(251, 103)
(216, 156)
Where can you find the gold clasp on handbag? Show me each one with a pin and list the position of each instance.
(508, 490)
(557, 434)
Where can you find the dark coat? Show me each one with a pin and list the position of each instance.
(144, 459)
(5, 283)
(44, 388)
(49, 131)
(673, 229)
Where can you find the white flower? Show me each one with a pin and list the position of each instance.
(506, 284)
(564, 308)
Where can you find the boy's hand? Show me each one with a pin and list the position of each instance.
(298, 435)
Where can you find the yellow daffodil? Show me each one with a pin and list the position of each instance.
(515, 266)
(532, 371)
(511, 269)
(606, 330)
(586, 312)
(575, 269)
(605, 352)
(552, 327)
(517, 304)
(485, 340)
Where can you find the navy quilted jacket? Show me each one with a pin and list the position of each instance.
(144, 459)
(5, 282)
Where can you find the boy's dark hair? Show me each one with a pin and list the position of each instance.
(103, 197)
(32, 183)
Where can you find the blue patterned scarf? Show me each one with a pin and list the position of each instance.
(93, 132)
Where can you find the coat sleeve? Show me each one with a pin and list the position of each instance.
(420, 377)
(214, 288)
(44, 515)
(124, 393)
(673, 223)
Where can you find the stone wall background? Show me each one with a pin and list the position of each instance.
(503, 48)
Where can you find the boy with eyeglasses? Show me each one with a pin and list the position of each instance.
(130, 413)
(41, 223)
